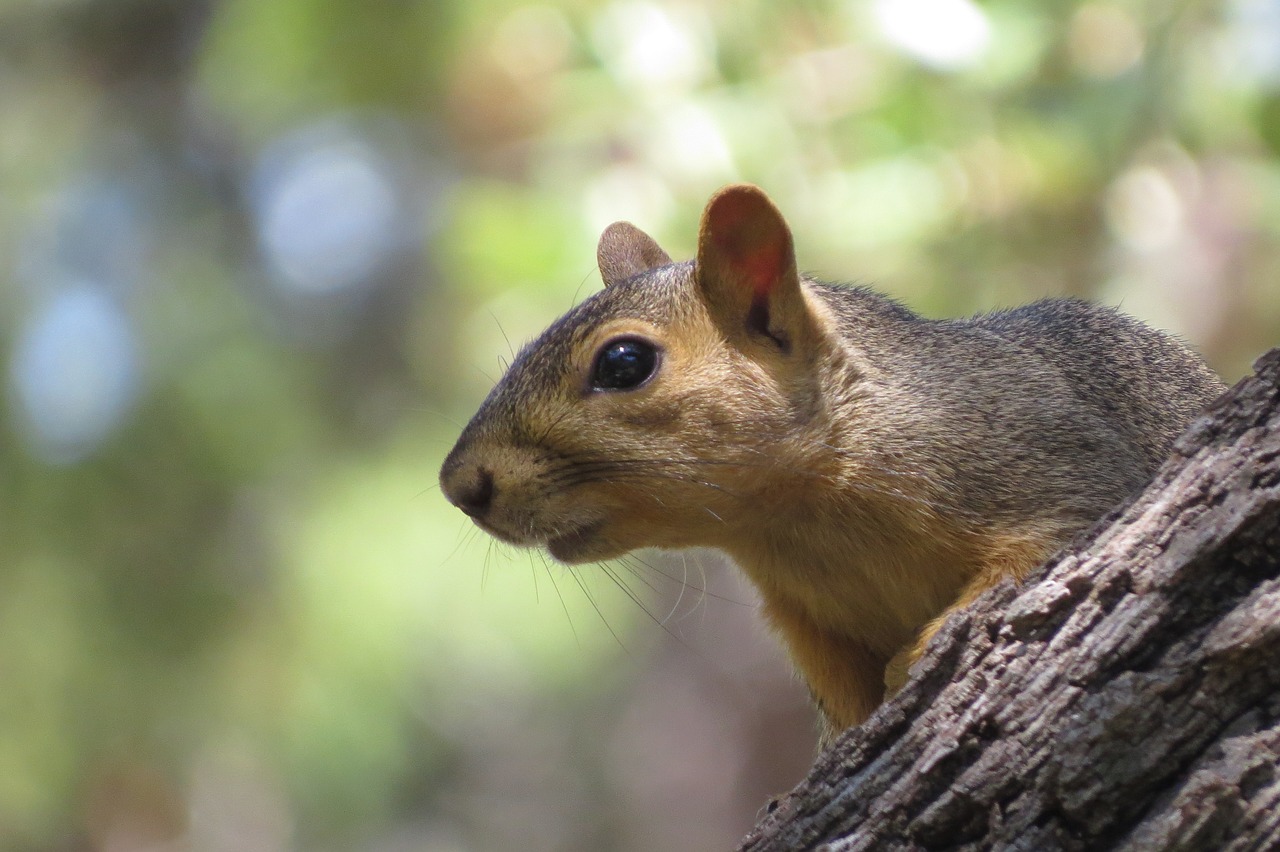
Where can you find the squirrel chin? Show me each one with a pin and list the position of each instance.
(582, 545)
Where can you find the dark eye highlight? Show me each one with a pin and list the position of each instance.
(624, 364)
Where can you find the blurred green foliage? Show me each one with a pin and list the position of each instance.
(262, 258)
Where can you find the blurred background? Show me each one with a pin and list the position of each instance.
(260, 259)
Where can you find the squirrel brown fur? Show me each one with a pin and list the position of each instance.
(868, 469)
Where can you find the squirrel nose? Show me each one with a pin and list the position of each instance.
(473, 495)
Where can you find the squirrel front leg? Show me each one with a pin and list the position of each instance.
(1006, 557)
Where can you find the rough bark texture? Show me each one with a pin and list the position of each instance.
(1126, 697)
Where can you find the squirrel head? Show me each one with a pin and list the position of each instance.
(650, 413)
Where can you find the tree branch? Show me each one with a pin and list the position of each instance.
(1125, 697)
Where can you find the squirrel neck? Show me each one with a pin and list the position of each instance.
(854, 557)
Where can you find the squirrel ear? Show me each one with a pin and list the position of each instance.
(625, 251)
(746, 267)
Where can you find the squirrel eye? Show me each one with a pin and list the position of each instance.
(624, 364)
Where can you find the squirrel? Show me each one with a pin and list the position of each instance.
(869, 470)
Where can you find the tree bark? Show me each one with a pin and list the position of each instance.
(1127, 696)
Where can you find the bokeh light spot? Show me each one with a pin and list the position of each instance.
(74, 374)
(944, 34)
(328, 212)
(1144, 210)
(648, 49)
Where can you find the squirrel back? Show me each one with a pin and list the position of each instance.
(1061, 402)
(870, 470)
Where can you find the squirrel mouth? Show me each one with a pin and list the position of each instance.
(500, 534)
(569, 547)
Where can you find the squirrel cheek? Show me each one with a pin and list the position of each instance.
(652, 414)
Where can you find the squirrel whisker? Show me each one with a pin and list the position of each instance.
(560, 596)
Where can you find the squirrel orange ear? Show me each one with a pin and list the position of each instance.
(625, 251)
(746, 266)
